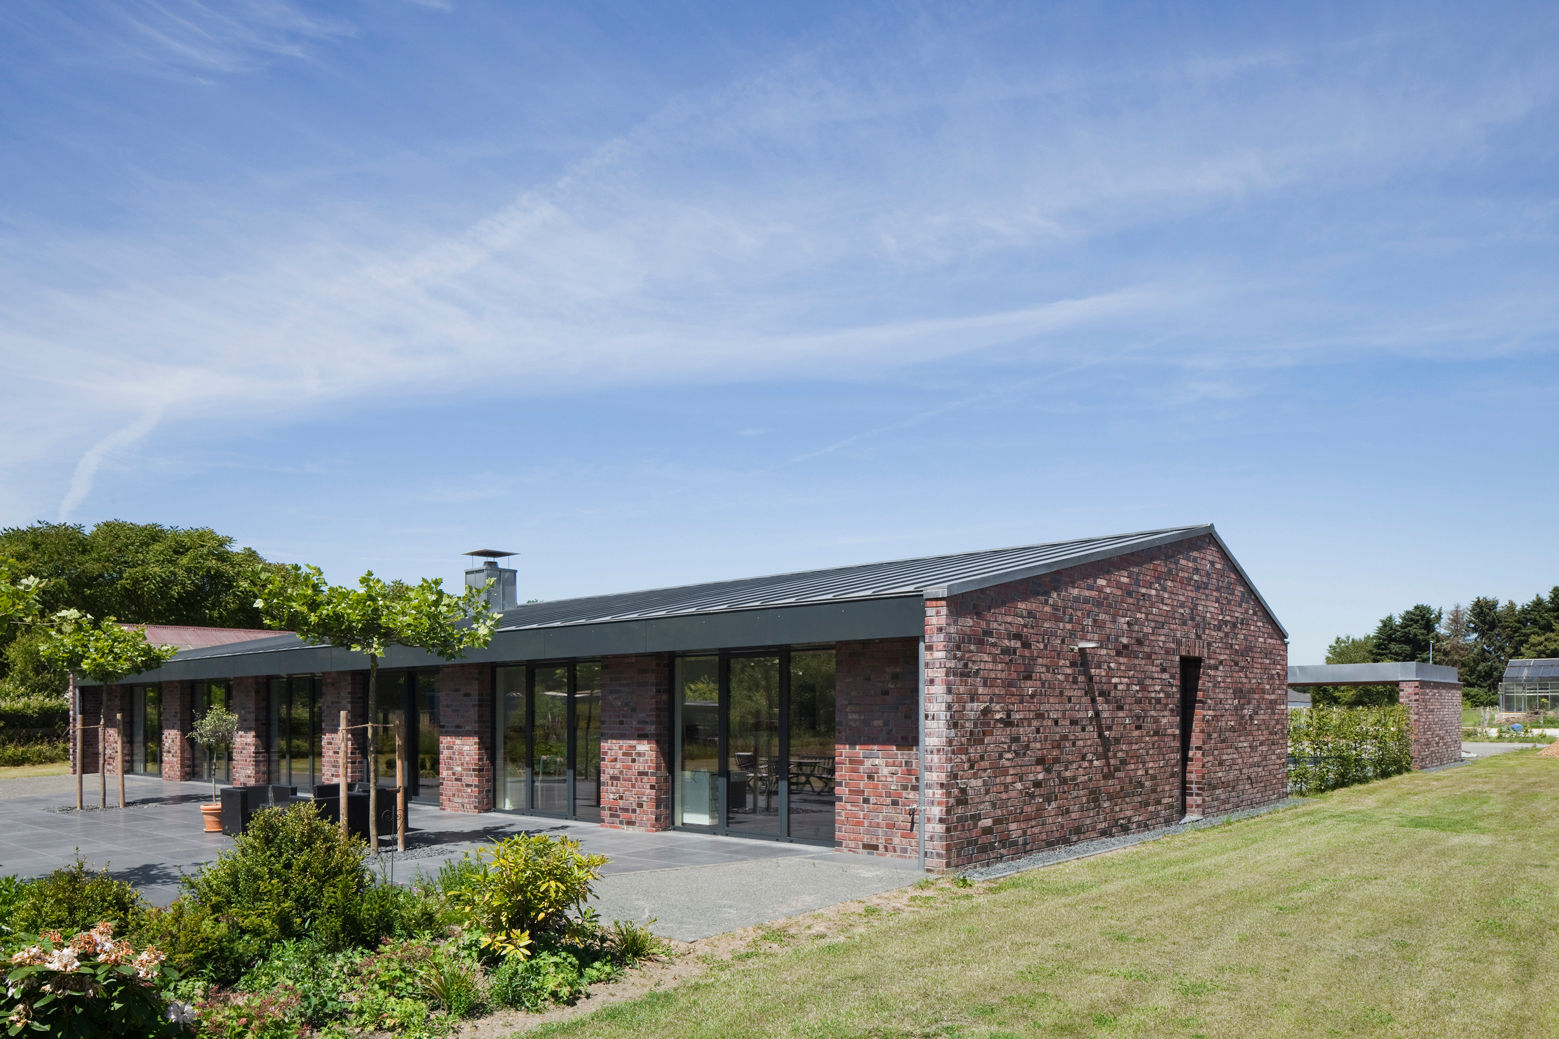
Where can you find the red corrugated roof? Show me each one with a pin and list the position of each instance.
(189, 636)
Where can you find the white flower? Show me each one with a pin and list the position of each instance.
(181, 1013)
(62, 960)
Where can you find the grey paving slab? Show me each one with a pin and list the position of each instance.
(694, 885)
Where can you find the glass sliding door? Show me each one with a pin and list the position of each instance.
(754, 744)
(513, 739)
(696, 728)
(587, 742)
(220, 764)
(549, 740)
(146, 730)
(297, 744)
(393, 694)
(811, 731)
(753, 750)
(422, 748)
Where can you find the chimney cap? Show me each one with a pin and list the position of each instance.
(491, 553)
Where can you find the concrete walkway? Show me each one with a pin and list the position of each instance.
(1484, 750)
(693, 885)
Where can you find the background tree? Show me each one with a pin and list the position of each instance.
(143, 572)
(1455, 640)
(105, 652)
(371, 618)
(1350, 649)
(1408, 638)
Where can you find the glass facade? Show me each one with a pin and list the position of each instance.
(220, 764)
(549, 739)
(409, 698)
(146, 729)
(754, 744)
(297, 740)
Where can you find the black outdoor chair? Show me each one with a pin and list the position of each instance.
(239, 803)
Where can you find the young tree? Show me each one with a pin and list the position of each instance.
(103, 651)
(213, 730)
(371, 618)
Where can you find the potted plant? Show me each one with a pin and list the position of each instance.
(213, 730)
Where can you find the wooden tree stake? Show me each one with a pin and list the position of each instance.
(400, 785)
(341, 750)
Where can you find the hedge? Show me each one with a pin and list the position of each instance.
(1331, 747)
(34, 731)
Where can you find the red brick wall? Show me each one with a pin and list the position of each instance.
(251, 702)
(343, 691)
(465, 737)
(1030, 746)
(875, 761)
(90, 699)
(636, 742)
(178, 753)
(1436, 712)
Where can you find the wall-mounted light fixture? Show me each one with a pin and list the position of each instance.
(1086, 645)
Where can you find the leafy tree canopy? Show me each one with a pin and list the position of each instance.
(103, 651)
(143, 572)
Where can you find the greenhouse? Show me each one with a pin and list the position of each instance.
(1530, 687)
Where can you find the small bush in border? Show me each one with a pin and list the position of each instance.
(525, 890)
(71, 899)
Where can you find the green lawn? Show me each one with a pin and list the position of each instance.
(1425, 905)
(53, 768)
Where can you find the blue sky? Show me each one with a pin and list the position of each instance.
(657, 293)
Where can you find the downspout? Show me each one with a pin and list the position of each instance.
(920, 752)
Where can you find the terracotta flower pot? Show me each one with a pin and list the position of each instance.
(212, 814)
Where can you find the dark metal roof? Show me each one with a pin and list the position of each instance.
(1369, 674)
(929, 577)
(874, 600)
(1537, 667)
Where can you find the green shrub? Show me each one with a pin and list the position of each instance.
(249, 1015)
(87, 986)
(33, 753)
(320, 981)
(391, 911)
(196, 940)
(529, 889)
(1332, 747)
(10, 895)
(73, 900)
(536, 983)
(290, 875)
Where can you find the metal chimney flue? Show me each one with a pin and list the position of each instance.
(503, 595)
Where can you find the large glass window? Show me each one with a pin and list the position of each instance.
(549, 736)
(297, 743)
(409, 698)
(696, 724)
(513, 739)
(754, 744)
(424, 762)
(146, 729)
(587, 742)
(219, 764)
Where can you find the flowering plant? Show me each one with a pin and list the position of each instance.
(89, 985)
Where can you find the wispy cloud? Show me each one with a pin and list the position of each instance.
(837, 212)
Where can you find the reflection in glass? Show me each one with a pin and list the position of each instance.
(697, 734)
(514, 776)
(207, 696)
(391, 694)
(550, 741)
(422, 759)
(146, 730)
(752, 794)
(587, 742)
(812, 734)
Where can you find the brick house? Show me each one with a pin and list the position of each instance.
(958, 710)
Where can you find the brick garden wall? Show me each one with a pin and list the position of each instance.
(465, 737)
(876, 771)
(636, 742)
(1436, 713)
(1030, 744)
